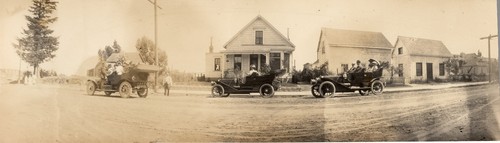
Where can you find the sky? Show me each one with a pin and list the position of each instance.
(186, 26)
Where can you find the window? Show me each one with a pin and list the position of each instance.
(441, 69)
(419, 69)
(259, 38)
(217, 64)
(344, 67)
(400, 50)
(237, 62)
(400, 70)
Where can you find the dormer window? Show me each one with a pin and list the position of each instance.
(400, 50)
(259, 38)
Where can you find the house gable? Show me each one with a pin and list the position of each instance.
(400, 46)
(246, 37)
(424, 47)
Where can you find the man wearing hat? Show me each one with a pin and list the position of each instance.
(253, 70)
(373, 65)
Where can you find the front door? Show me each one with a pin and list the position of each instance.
(429, 72)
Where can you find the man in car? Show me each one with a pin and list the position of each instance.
(373, 65)
(253, 71)
(119, 68)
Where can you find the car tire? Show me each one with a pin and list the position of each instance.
(327, 89)
(377, 87)
(266, 91)
(218, 91)
(91, 87)
(142, 92)
(315, 92)
(125, 89)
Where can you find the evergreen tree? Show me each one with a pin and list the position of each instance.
(37, 44)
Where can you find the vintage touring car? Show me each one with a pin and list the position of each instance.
(133, 80)
(266, 85)
(363, 82)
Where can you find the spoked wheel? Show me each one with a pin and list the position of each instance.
(108, 93)
(125, 89)
(315, 92)
(326, 89)
(377, 87)
(142, 92)
(91, 87)
(218, 91)
(266, 90)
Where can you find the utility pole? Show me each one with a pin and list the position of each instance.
(156, 41)
(489, 55)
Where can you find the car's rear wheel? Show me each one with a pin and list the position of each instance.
(142, 92)
(108, 93)
(377, 87)
(91, 86)
(266, 90)
(315, 92)
(218, 91)
(326, 89)
(125, 89)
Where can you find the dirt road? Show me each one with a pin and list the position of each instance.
(50, 113)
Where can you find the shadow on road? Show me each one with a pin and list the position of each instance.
(110, 96)
(483, 124)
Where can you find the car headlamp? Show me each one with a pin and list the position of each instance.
(133, 78)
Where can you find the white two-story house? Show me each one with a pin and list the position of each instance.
(259, 43)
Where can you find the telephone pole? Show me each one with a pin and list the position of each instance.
(489, 55)
(156, 41)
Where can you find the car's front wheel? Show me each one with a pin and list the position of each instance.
(327, 89)
(218, 91)
(125, 89)
(266, 90)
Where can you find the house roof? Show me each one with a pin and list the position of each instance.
(353, 38)
(424, 47)
(259, 17)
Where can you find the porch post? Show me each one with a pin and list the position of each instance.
(258, 62)
(282, 59)
(291, 62)
(223, 65)
(267, 58)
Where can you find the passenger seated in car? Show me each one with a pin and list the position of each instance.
(253, 71)
(119, 68)
(373, 66)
